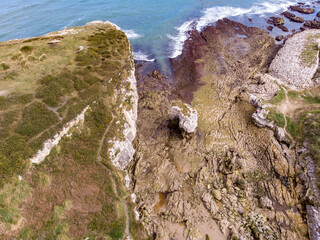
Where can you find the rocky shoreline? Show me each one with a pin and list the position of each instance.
(216, 174)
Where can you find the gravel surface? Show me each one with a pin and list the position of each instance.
(297, 62)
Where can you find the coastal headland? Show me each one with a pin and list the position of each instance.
(96, 146)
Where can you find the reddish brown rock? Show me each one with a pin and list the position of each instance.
(312, 24)
(276, 21)
(283, 28)
(270, 28)
(302, 10)
(280, 38)
(292, 17)
(189, 66)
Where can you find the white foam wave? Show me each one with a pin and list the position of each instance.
(142, 57)
(211, 15)
(132, 34)
(181, 37)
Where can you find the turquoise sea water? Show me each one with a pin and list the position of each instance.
(156, 28)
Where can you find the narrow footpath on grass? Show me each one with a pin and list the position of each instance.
(127, 231)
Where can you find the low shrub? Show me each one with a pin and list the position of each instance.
(36, 118)
(27, 49)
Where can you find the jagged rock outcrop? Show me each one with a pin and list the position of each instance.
(188, 117)
(49, 144)
(259, 117)
(280, 134)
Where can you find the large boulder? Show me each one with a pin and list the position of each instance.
(188, 117)
(297, 61)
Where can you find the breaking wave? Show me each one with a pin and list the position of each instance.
(142, 57)
(211, 15)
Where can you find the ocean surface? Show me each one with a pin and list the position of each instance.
(156, 28)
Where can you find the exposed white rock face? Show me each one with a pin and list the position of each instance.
(136, 214)
(266, 203)
(127, 180)
(313, 222)
(313, 213)
(259, 118)
(294, 64)
(122, 151)
(112, 24)
(51, 143)
(254, 101)
(94, 23)
(188, 120)
(280, 134)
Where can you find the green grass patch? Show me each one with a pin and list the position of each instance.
(44, 179)
(278, 118)
(311, 127)
(4, 66)
(57, 227)
(52, 88)
(13, 154)
(312, 99)
(36, 118)
(308, 56)
(88, 57)
(293, 128)
(11, 196)
(293, 94)
(27, 49)
(279, 97)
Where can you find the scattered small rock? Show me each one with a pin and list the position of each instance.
(292, 17)
(217, 194)
(276, 21)
(280, 38)
(265, 202)
(283, 28)
(54, 42)
(270, 28)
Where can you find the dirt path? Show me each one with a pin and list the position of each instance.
(127, 231)
(284, 111)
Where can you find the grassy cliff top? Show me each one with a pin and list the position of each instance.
(44, 83)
